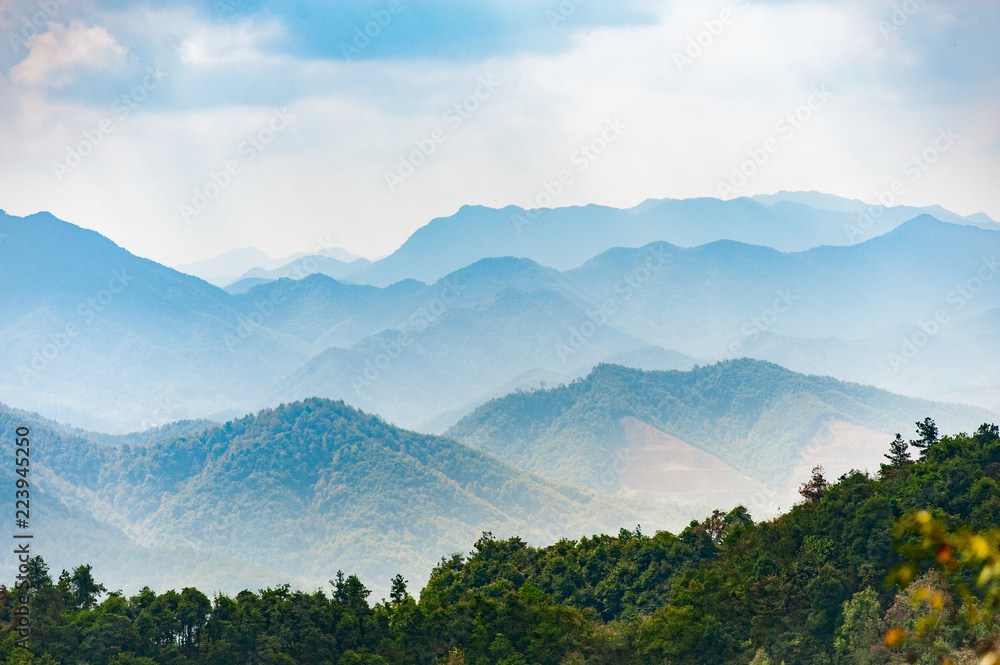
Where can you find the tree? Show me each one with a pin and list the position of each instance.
(987, 432)
(398, 593)
(899, 453)
(85, 588)
(860, 629)
(814, 489)
(957, 558)
(927, 433)
(38, 574)
(193, 609)
(351, 593)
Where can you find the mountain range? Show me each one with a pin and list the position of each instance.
(643, 376)
(563, 238)
(736, 432)
(289, 494)
(294, 493)
(97, 337)
(237, 264)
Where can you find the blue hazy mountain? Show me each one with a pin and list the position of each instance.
(423, 370)
(237, 264)
(223, 269)
(564, 238)
(331, 266)
(876, 221)
(165, 346)
(699, 298)
(93, 335)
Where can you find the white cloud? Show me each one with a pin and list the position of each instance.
(55, 55)
(223, 44)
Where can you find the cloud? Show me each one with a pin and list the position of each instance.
(56, 55)
(558, 86)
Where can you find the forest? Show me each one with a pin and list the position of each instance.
(899, 567)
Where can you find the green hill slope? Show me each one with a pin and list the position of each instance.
(756, 417)
(314, 486)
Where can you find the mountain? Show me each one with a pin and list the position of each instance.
(66, 527)
(897, 311)
(821, 201)
(244, 262)
(223, 269)
(344, 490)
(424, 369)
(344, 269)
(563, 238)
(720, 300)
(698, 299)
(94, 336)
(741, 431)
(812, 199)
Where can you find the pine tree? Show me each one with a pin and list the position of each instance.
(899, 453)
(815, 488)
(928, 436)
(398, 593)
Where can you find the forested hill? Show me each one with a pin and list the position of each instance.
(806, 588)
(302, 490)
(755, 416)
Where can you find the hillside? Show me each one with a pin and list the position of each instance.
(343, 488)
(816, 585)
(672, 434)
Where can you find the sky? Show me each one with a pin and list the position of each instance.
(182, 130)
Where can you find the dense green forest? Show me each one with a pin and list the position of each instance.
(816, 585)
(753, 415)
